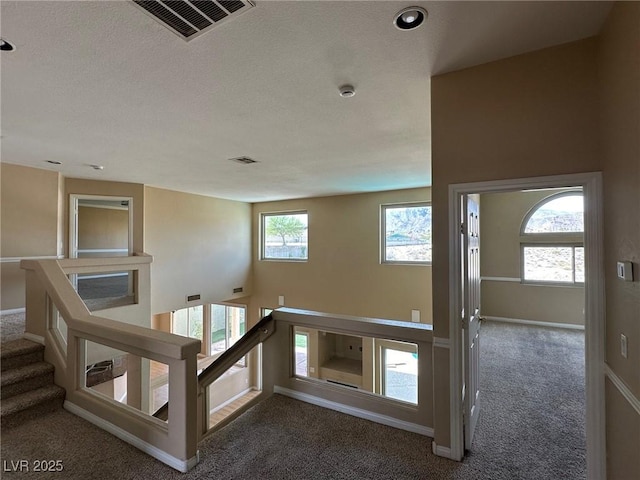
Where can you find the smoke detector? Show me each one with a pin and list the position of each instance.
(347, 91)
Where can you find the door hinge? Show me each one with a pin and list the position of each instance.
(462, 228)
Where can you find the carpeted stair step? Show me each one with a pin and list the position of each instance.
(18, 353)
(25, 406)
(22, 379)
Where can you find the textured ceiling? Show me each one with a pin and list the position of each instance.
(101, 82)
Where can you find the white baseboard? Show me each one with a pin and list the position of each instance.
(622, 388)
(33, 337)
(569, 326)
(231, 400)
(13, 311)
(355, 412)
(441, 451)
(176, 463)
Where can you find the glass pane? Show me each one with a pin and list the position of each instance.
(218, 328)
(400, 375)
(548, 264)
(125, 378)
(579, 259)
(195, 322)
(181, 322)
(561, 214)
(236, 324)
(301, 354)
(106, 290)
(408, 234)
(285, 236)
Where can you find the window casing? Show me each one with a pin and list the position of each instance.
(223, 325)
(284, 236)
(406, 233)
(551, 241)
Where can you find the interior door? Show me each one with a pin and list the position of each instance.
(471, 314)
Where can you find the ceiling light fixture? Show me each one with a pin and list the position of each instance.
(5, 46)
(410, 18)
(53, 162)
(97, 167)
(243, 160)
(347, 91)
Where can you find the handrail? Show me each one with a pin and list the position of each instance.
(174, 443)
(256, 335)
(76, 313)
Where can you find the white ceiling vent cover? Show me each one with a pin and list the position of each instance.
(189, 19)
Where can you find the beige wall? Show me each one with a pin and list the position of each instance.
(619, 75)
(531, 115)
(29, 224)
(200, 245)
(501, 216)
(343, 274)
(102, 228)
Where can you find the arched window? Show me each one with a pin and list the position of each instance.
(551, 240)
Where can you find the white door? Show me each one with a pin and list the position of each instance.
(471, 315)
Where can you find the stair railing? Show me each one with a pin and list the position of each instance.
(173, 442)
(255, 336)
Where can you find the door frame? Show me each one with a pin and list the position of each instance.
(594, 311)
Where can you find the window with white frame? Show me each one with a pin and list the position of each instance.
(552, 240)
(284, 236)
(406, 233)
(188, 322)
(228, 324)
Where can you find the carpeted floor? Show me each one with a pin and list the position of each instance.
(531, 427)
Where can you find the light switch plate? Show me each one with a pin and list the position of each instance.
(625, 271)
(623, 345)
(281, 300)
(415, 316)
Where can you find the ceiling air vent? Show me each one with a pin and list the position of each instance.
(189, 19)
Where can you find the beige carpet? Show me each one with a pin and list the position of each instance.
(531, 427)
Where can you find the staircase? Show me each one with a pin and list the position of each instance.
(27, 383)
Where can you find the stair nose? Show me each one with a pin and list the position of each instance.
(20, 408)
(18, 353)
(22, 379)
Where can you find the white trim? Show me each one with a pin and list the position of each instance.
(103, 250)
(591, 183)
(441, 451)
(34, 338)
(570, 326)
(13, 311)
(231, 400)
(441, 342)
(101, 275)
(176, 463)
(355, 412)
(622, 388)
(501, 279)
(37, 257)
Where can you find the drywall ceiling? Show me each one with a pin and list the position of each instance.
(102, 83)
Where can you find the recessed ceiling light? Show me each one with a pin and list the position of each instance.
(53, 162)
(410, 18)
(97, 167)
(5, 46)
(347, 91)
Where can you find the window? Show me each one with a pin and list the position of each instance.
(188, 322)
(406, 233)
(552, 240)
(228, 324)
(284, 236)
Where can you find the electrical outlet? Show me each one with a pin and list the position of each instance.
(281, 300)
(415, 316)
(623, 345)
(312, 370)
